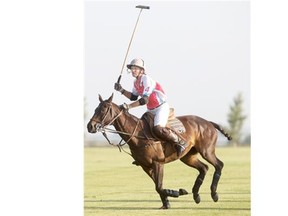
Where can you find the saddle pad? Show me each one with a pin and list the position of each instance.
(176, 125)
(173, 122)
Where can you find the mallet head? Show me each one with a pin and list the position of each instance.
(142, 7)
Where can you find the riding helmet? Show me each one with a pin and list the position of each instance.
(136, 62)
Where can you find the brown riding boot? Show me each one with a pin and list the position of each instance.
(179, 144)
(167, 135)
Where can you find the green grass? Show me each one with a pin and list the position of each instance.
(113, 186)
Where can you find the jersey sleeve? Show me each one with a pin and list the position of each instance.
(148, 85)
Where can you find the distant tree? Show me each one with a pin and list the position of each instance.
(247, 140)
(236, 119)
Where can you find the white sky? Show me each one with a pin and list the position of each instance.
(199, 51)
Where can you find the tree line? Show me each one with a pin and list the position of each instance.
(236, 118)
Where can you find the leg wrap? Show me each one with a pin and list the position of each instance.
(172, 193)
(214, 184)
(216, 178)
(197, 185)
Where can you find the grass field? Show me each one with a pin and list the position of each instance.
(113, 186)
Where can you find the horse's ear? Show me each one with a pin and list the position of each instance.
(110, 98)
(100, 98)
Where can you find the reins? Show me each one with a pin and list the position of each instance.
(104, 130)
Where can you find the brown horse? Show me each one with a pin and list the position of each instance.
(152, 154)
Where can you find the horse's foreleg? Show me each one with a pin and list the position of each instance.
(158, 170)
(156, 173)
(164, 193)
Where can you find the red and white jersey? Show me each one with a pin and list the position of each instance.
(145, 86)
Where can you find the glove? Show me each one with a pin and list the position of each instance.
(118, 87)
(125, 106)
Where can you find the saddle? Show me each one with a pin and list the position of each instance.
(173, 123)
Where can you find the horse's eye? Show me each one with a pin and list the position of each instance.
(104, 107)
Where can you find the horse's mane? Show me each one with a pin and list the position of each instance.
(129, 115)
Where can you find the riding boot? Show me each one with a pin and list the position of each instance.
(167, 135)
(178, 143)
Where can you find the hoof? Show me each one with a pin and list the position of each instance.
(196, 198)
(215, 197)
(165, 207)
(182, 192)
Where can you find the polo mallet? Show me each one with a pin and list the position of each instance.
(141, 7)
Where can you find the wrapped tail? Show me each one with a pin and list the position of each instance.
(218, 127)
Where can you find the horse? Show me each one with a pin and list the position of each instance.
(151, 154)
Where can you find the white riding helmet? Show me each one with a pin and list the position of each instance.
(136, 62)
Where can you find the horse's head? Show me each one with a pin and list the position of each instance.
(104, 115)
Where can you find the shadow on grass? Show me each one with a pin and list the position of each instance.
(124, 201)
(172, 208)
(171, 200)
(193, 205)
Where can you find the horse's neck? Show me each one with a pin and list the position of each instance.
(127, 123)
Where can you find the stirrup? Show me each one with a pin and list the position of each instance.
(180, 148)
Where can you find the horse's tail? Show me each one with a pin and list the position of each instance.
(218, 127)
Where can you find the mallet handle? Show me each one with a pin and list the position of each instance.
(141, 7)
(119, 78)
(130, 43)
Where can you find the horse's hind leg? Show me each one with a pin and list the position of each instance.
(191, 160)
(218, 168)
(218, 165)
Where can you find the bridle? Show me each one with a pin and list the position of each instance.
(102, 127)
